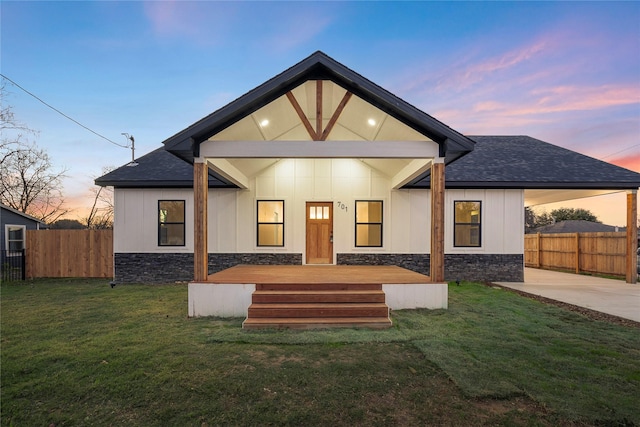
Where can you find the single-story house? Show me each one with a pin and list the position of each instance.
(13, 226)
(13, 236)
(319, 165)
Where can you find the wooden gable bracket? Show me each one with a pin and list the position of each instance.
(318, 134)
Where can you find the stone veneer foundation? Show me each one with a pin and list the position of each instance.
(178, 267)
(472, 267)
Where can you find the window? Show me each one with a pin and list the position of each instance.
(14, 238)
(171, 223)
(368, 223)
(270, 223)
(466, 232)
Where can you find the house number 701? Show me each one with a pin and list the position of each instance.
(343, 206)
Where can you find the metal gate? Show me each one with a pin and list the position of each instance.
(12, 265)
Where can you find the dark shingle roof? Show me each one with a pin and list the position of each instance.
(575, 226)
(22, 214)
(496, 162)
(525, 162)
(158, 169)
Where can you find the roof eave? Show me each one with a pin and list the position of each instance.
(525, 185)
(158, 184)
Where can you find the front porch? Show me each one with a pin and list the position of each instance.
(314, 296)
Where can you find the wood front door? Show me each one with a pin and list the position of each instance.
(319, 232)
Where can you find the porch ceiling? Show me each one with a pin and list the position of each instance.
(241, 170)
(319, 110)
(542, 197)
(326, 113)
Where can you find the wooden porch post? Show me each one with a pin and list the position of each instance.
(200, 230)
(632, 236)
(437, 220)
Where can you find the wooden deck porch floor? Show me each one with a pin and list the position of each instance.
(309, 274)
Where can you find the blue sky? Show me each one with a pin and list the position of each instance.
(564, 72)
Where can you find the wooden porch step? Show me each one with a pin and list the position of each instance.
(318, 296)
(318, 305)
(318, 287)
(307, 310)
(317, 323)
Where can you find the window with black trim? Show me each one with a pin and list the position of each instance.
(467, 223)
(270, 229)
(171, 223)
(369, 223)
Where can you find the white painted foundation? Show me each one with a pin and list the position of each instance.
(220, 300)
(422, 295)
(233, 300)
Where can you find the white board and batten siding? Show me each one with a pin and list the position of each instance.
(135, 227)
(502, 221)
(232, 213)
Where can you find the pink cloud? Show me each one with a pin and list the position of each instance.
(559, 99)
(573, 98)
(297, 30)
(243, 22)
(199, 21)
(477, 72)
(167, 17)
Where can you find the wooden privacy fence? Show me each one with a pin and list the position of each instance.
(69, 253)
(601, 253)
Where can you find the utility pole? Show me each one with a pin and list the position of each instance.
(133, 147)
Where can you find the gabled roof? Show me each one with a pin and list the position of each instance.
(157, 169)
(575, 226)
(318, 66)
(528, 163)
(22, 214)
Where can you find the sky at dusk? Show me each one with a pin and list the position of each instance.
(564, 72)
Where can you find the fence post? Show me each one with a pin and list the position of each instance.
(577, 253)
(538, 250)
(631, 270)
(23, 267)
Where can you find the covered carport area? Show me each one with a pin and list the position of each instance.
(538, 197)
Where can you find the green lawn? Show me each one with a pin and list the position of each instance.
(76, 352)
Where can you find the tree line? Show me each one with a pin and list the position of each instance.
(533, 220)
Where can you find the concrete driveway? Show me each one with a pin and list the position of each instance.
(605, 295)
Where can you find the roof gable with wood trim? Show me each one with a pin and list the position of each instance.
(319, 99)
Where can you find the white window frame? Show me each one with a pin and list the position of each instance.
(6, 238)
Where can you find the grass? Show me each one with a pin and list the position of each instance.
(76, 352)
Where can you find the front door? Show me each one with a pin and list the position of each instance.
(319, 232)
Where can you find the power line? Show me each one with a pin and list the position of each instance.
(61, 113)
(621, 151)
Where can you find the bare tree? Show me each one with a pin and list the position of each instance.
(101, 213)
(28, 182)
(12, 132)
